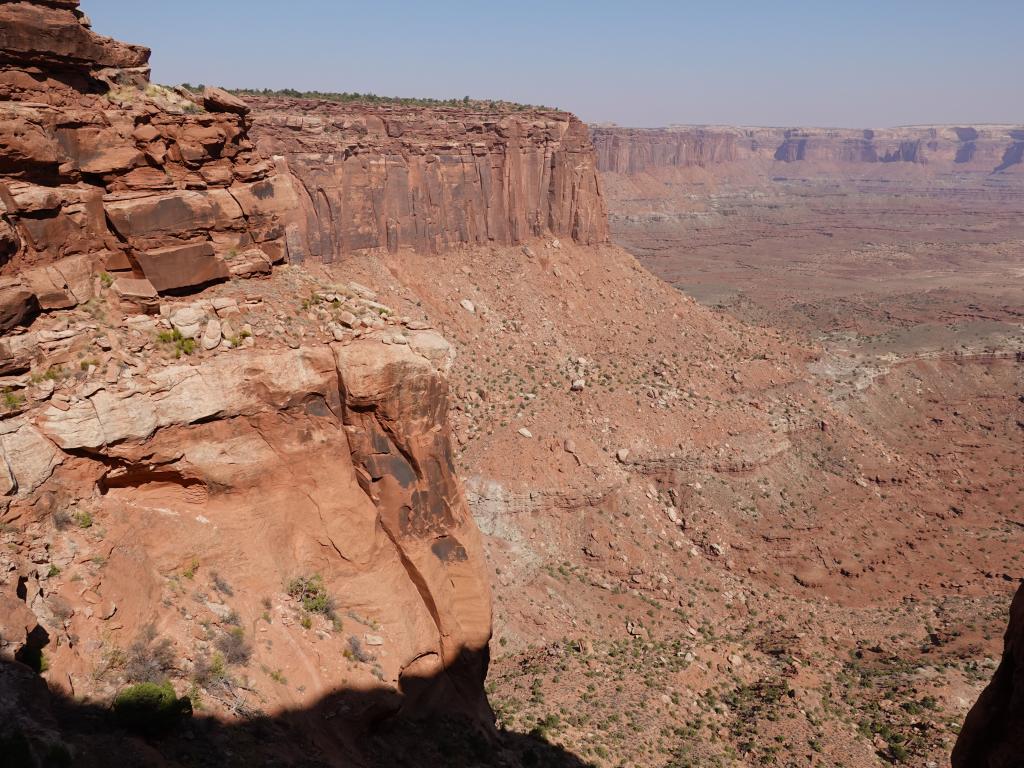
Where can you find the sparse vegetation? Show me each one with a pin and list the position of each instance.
(312, 595)
(464, 102)
(356, 652)
(221, 585)
(235, 648)
(149, 658)
(180, 344)
(151, 708)
(12, 400)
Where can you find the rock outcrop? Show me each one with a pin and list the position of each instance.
(304, 484)
(101, 171)
(993, 733)
(53, 38)
(392, 177)
(988, 148)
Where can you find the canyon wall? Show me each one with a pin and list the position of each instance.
(167, 191)
(244, 462)
(635, 150)
(986, 148)
(393, 177)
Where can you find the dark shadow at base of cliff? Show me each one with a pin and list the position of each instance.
(44, 729)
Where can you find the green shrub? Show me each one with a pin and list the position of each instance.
(310, 591)
(210, 671)
(151, 708)
(12, 399)
(182, 345)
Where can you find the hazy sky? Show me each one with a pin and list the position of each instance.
(855, 63)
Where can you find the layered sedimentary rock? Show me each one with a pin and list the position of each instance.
(993, 733)
(629, 150)
(321, 459)
(988, 148)
(376, 177)
(350, 439)
(54, 37)
(102, 172)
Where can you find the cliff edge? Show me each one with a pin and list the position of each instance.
(993, 733)
(243, 487)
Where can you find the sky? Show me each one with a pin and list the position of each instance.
(842, 63)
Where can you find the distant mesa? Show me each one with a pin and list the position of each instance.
(988, 149)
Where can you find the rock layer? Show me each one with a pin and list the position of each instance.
(55, 35)
(102, 171)
(328, 463)
(390, 177)
(990, 148)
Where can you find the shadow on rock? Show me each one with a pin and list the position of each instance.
(422, 726)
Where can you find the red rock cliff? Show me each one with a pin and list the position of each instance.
(627, 150)
(375, 177)
(988, 148)
(101, 171)
(207, 439)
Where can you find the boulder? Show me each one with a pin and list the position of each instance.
(12, 363)
(182, 266)
(18, 305)
(219, 100)
(211, 335)
(137, 290)
(50, 288)
(188, 321)
(251, 263)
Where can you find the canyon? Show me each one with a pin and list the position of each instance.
(473, 435)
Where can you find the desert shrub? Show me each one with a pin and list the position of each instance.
(149, 659)
(221, 585)
(12, 399)
(210, 670)
(182, 344)
(151, 708)
(310, 591)
(234, 646)
(356, 651)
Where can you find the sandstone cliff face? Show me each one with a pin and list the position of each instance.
(151, 447)
(980, 148)
(391, 177)
(631, 151)
(100, 171)
(993, 733)
(54, 37)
